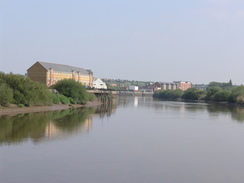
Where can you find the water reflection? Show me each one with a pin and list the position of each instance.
(50, 125)
(236, 113)
(60, 124)
(214, 110)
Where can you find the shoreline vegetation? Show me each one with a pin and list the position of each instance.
(221, 93)
(19, 94)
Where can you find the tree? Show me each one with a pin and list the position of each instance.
(194, 94)
(224, 86)
(25, 91)
(211, 92)
(168, 94)
(237, 95)
(221, 96)
(6, 94)
(230, 83)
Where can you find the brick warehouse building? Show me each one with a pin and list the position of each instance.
(183, 85)
(50, 73)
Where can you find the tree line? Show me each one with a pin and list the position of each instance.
(21, 90)
(216, 92)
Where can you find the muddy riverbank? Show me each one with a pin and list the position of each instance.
(14, 109)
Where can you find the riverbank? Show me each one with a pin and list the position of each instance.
(13, 110)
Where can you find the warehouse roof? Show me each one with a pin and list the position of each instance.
(63, 68)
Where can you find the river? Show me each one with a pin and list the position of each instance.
(136, 140)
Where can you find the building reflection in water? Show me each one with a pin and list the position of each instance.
(135, 101)
(53, 130)
(52, 125)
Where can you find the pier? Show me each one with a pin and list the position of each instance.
(105, 96)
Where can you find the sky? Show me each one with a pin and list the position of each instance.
(158, 40)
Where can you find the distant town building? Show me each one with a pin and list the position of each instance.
(113, 84)
(183, 85)
(200, 86)
(164, 86)
(50, 73)
(99, 84)
(133, 88)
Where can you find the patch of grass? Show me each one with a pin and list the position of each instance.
(21, 105)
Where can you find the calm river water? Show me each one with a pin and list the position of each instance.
(137, 140)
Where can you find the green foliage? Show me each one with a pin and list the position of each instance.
(21, 105)
(71, 100)
(6, 94)
(221, 96)
(63, 99)
(26, 91)
(56, 99)
(73, 89)
(211, 92)
(117, 88)
(91, 97)
(194, 94)
(168, 94)
(214, 94)
(224, 86)
(237, 95)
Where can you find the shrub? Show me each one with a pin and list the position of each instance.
(63, 99)
(237, 94)
(73, 89)
(56, 99)
(221, 96)
(6, 94)
(194, 94)
(211, 92)
(21, 105)
(72, 101)
(26, 91)
(168, 94)
(91, 97)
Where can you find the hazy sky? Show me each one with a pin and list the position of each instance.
(148, 40)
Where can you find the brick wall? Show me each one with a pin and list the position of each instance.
(37, 73)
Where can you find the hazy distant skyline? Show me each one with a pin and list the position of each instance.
(158, 40)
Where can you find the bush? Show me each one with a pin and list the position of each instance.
(6, 94)
(21, 105)
(221, 96)
(56, 99)
(237, 95)
(26, 91)
(211, 92)
(73, 89)
(194, 94)
(168, 94)
(91, 97)
(63, 99)
(72, 101)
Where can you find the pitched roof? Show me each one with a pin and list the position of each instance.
(63, 68)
